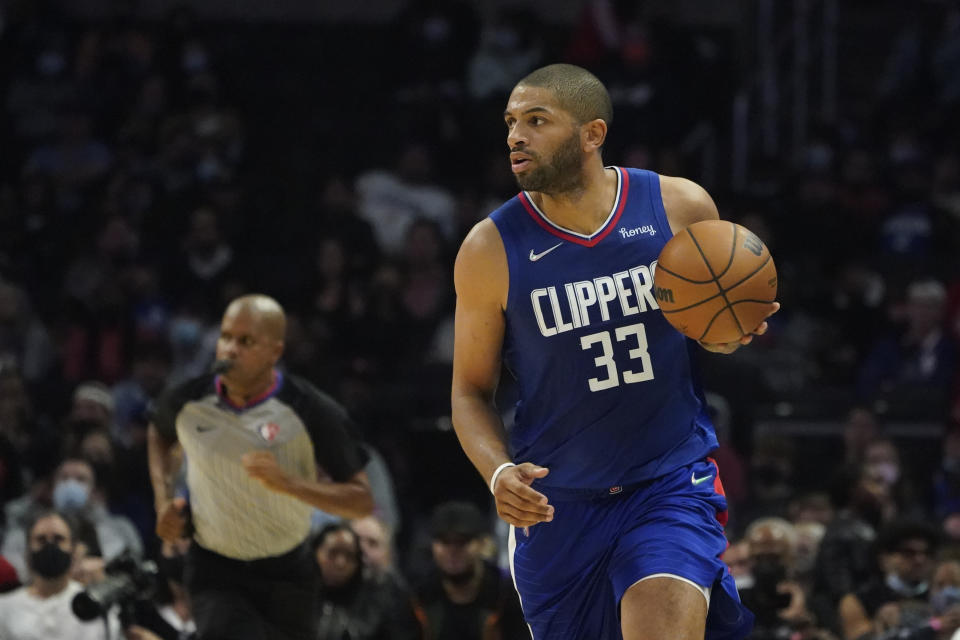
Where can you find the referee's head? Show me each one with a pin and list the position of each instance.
(251, 340)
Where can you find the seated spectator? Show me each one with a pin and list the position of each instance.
(76, 492)
(467, 597)
(391, 200)
(357, 603)
(775, 597)
(905, 551)
(845, 559)
(921, 358)
(41, 610)
(376, 543)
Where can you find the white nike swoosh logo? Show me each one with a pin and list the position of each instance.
(695, 480)
(536, 256)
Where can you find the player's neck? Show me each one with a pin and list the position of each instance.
(586, 209)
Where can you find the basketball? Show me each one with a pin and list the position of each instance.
(714, 281)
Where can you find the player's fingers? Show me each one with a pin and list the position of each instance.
(519, 517)
(528, 472)
(537, 508)
(521, 491)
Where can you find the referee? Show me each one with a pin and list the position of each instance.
(254, 439)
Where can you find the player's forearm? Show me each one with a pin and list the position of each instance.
(481, 433)
(158, 459)
(350, 499)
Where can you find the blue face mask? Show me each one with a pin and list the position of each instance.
(70, 495)
(944, 599)
(904, 588)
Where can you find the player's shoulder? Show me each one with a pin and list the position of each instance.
(685, 202)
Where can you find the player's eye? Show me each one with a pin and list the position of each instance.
(537, 121)
(246, 341)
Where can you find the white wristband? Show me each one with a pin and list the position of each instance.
(493, 478)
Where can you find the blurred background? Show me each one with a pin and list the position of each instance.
(159, 158)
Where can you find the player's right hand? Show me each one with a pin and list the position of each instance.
(171, 519)
(517, 502)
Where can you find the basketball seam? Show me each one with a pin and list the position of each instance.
(713, 319)
(722, 291)
(749, 275)
(695, 304)
(733, 252)
(660, 267)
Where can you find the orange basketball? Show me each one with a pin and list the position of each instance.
(714, 281)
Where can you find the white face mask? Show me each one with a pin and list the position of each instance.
(70, 495)
(887, 472)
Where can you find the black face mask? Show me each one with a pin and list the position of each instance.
(50, 561)
(768, 572)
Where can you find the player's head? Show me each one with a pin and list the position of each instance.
(251, 338)
(557, 117)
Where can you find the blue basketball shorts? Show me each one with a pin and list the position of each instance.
(572, 572)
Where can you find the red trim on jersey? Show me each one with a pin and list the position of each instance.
(260, 398)
(722, 516)
(586, 242)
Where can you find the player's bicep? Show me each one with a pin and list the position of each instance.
(685, 202)
(480, 276)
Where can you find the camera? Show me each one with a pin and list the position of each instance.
(128, 580)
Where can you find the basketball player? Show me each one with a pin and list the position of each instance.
(253, 437)
(616, 510)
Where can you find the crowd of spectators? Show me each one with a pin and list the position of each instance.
(142, 187)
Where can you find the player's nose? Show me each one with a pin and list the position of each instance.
(516, 138)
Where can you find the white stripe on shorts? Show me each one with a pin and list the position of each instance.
(706, 591)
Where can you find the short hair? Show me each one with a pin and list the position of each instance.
(43, 514)
(577, 90)
(894, 534)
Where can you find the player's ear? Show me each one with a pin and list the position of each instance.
(593, 134)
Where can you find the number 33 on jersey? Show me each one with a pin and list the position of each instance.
(598, 361)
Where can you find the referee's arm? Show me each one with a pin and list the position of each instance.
(349, 499)
(171, 516)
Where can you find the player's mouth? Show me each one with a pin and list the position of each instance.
(520, 162)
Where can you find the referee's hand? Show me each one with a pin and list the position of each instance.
(263, 466)
(517, 502)
(172, 519)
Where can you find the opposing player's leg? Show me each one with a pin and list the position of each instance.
(663, 607)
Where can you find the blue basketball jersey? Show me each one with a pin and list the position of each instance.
(607, 394)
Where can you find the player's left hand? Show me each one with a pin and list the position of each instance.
(263, 466)
(730, 347)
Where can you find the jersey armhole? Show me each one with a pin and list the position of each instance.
(656, 203)
(511, 259)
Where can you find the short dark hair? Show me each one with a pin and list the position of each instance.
(897, 532)
(577, 90)
(43, 514)
(457, 518)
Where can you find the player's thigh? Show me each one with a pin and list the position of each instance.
(663, 607)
